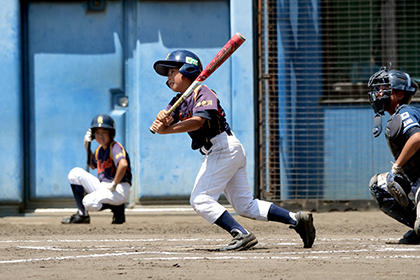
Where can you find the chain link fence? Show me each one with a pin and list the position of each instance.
(314, 61)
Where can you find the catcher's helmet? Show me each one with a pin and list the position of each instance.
(188, 63)
(103, 121)
(396, 80)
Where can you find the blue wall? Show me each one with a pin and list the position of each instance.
(76, 60)
(11, 139)
(167, 166)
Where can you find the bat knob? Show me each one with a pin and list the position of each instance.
(152, 131)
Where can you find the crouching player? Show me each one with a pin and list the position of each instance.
(392, 91)
(111, 189)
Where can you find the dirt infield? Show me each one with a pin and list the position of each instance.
(175, 243)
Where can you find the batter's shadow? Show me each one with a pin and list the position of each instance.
(218, 249)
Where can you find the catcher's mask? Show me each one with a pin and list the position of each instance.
(385, 81)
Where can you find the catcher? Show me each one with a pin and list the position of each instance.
(392, 91)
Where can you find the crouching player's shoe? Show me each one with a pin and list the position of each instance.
(119, 214)
(305, 228)
(76, 219)
(240, 241)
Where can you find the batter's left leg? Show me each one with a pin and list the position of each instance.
(239, 195)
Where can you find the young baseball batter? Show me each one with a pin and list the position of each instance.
(392, 91)
(111, 189)
(223, 167)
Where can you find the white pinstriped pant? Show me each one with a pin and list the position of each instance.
(223, 169)
(97, 193)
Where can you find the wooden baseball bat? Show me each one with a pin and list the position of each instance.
(88, 157)
(228, 49)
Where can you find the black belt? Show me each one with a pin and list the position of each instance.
(209, 144)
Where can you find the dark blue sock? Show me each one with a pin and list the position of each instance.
(278, 214)
(228, 223)
(79, 193)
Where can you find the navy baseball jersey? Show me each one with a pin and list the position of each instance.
(410, 118)
(106, 161)
(403, 124)
(205, 104)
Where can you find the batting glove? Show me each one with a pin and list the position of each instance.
(88, 138)
(111, 186)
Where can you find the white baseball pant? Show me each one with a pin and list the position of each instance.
(223, 169)
(97, 192)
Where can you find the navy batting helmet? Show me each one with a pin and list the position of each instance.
(188, 63)
(103, 121)
(396, 80)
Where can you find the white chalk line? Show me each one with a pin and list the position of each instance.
(278, 258)
(182, 255)
(128, 210)
(225, 257)
(109, 240)
(341, 240)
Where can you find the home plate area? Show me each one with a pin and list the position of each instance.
(181, 245)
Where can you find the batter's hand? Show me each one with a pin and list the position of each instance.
(88, 138)
(159, 127)
(164, 117)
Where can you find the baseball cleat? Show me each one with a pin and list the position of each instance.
(119, 214)
(410, 238)
(305, 228)
(76, 219)
(240, 241)
(398, 194)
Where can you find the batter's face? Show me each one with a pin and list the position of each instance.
(178, 82)
(102, 137)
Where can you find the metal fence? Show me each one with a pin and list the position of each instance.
(315, 58)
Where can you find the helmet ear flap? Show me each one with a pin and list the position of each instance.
(190, 71)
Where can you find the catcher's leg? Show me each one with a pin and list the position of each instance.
(388, 205)
(399, 189)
